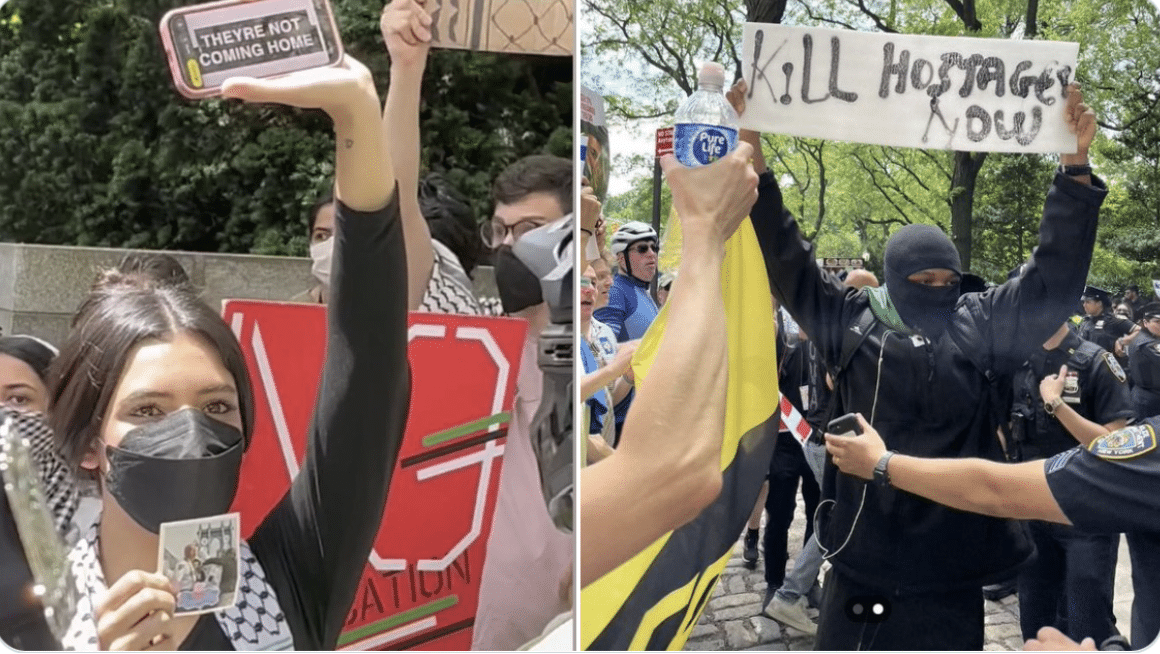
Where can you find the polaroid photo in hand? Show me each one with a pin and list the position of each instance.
(201, 558)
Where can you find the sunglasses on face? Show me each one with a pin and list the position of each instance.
(645, 247)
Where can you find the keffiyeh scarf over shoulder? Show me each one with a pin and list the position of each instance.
(255, 622)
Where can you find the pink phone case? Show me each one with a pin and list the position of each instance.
(187, 72)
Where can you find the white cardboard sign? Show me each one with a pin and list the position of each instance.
(955, 93)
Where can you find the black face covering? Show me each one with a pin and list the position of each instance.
(182, 467)
(519, 288)
(912, 249)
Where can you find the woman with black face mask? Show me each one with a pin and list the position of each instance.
(151, 406)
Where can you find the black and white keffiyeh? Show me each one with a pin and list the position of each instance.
(255, 622)
(59, 483)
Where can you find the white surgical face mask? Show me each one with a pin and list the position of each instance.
(321, 252)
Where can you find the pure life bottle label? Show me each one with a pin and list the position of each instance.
(705, 125)
(697, 144)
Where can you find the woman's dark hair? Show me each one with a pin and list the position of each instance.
(121, 312)
(327, 198)
(158, 266)
(450, 220)
(35, 353)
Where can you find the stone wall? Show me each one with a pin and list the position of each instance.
(42, 286)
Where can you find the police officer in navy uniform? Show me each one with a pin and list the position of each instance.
(1144, 363)
(1108, 485)
(1100, 325)
(1075, 570)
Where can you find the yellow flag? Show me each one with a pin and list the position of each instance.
(654, 600)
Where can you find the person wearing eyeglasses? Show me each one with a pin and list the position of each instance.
(631, 309)
(528, 559)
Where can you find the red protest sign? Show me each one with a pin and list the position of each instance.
(664, 141)
(421, 584)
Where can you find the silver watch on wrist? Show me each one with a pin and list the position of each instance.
(1051, 406)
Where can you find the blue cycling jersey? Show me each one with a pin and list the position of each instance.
(630, 308)
(598, 403)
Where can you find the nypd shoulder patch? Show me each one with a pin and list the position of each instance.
(1115, 367)
(1126, 443)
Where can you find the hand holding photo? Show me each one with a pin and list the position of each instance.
(200, 559)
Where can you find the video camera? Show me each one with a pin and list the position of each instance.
(548, 252)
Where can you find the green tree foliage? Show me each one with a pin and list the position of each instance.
(102, 151)
(869, 191)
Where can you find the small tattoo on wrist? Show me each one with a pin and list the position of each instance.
(349, 143)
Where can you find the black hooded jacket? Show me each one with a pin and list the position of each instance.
(929, 399)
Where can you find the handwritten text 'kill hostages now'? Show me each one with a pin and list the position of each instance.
(974, 73)
(279, 34)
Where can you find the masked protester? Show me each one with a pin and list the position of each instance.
(528, 558)
(321, 251)
(152, 407)
(918, 359)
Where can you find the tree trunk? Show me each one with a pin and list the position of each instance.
(1031, 30)
(967, 167)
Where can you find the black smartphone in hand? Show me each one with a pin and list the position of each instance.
(847, 425)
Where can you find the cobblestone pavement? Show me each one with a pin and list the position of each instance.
(733, 620)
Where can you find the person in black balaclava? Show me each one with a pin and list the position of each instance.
(922, 277)
(920, 360)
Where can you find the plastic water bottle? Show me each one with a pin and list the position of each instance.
(705, 125)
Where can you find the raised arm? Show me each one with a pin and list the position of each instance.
(1043, 296)
(314, 543)
(404, 25)
(667, 466)
(815, 299)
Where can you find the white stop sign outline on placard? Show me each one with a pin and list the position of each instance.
(485, 458)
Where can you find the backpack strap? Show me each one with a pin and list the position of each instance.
(852, 339)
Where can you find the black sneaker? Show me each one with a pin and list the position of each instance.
(996, 592)
(750, 553)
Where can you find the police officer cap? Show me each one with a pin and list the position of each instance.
(1150, 311)
(1099, 294)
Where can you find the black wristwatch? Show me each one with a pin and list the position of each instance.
(1077, 170)
(881, 476)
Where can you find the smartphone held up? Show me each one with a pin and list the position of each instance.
(210, 43)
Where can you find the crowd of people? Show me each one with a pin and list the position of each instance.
(1025, 410)
(166, 379)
